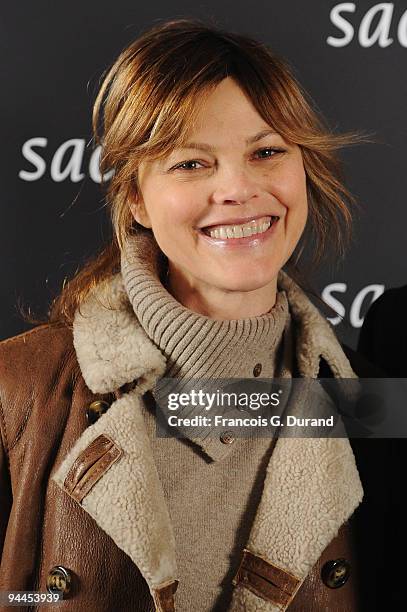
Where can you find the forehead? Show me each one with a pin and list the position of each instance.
(223, 108)
(219, 118)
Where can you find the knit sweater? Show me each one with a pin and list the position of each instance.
(212, 488)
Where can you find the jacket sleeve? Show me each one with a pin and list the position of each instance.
(5, 484)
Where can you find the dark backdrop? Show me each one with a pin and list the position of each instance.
(353, 63)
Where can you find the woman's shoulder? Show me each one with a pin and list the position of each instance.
(35, 358)
(42, 341)
(39, 375)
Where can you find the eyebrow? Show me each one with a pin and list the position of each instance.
(205, 147)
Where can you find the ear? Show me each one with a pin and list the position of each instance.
(139, 211)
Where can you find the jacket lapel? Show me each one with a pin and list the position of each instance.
(110, 471)
(112, 461)
(311, 488)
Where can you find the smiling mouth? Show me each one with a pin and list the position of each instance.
(242, 230)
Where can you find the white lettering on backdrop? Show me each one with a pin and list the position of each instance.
(66, 163)
(355, 318)
(374, 27)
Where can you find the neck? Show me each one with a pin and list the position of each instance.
(221, 304)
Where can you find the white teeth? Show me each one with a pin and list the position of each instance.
(241, 231)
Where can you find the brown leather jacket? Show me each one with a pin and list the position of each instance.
(45, 407)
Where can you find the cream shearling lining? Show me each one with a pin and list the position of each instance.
(127, 503)
(111, 347)
(311, 488)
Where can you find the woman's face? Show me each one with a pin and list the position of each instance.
(229, 208)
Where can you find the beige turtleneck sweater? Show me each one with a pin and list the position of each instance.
(212, 488)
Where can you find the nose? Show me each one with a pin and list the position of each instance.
(234, 187)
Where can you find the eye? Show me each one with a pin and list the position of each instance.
(269, 152)
(187, 165)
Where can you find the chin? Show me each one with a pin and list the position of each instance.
(250, 281)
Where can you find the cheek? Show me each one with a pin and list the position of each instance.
(298, 214)
(171, 226)
(176, 209)
(297, 197)
(300, 204)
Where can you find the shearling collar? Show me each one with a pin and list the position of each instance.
(110, 470)
(113, 349)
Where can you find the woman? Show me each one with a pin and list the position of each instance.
(219, 165)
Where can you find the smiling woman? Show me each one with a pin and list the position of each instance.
(228, 219)
(218, 166)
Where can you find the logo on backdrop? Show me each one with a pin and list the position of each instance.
(376, 27)
(67, 162)
(332, 294)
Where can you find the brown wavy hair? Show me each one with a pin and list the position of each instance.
(146, 106)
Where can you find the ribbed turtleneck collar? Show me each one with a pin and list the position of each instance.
(195, 345)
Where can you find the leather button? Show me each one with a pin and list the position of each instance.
(257, 369)
(335, 573)
(59, 580)
(227, 437)
(96, 409)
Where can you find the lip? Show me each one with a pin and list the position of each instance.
(248, 241)
(237, 220)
